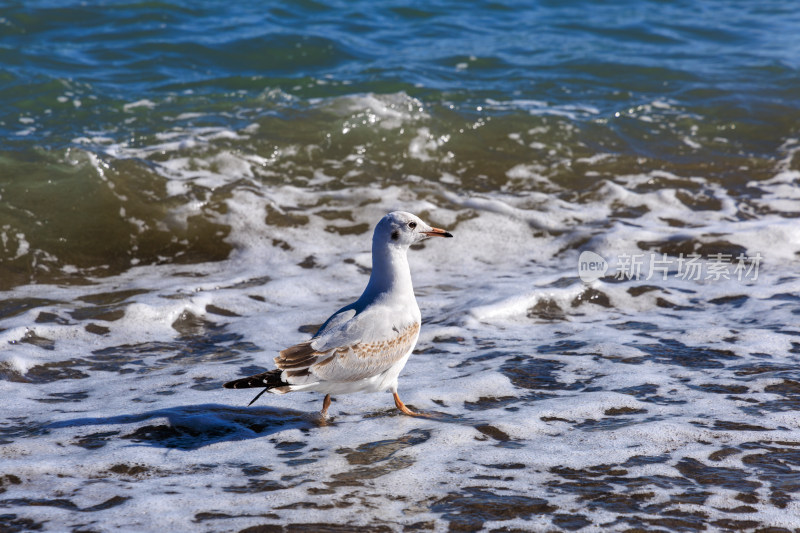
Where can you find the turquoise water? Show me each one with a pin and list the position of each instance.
(187, 188)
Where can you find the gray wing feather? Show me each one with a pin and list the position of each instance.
(336, 320)
(374, 324)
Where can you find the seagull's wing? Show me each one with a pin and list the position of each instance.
(336, 320)
(364, 345)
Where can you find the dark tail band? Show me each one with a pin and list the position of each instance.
(269, 379)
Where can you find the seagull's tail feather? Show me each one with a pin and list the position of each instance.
(269, 379)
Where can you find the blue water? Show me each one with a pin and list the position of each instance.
(731, 59)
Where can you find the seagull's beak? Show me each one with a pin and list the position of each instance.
(436, 232)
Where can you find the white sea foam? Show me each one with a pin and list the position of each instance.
(540, 380)
(145, 103)
(538, 107)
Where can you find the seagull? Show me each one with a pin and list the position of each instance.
(363, 346)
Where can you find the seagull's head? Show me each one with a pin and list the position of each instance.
(403, 229)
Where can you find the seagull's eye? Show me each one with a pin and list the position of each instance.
(412, 225)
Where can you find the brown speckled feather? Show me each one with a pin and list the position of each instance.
(346, 363)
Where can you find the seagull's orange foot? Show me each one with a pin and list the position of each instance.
(400, 405)
(325, 404)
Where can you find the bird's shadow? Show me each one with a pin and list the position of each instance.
(190, 427)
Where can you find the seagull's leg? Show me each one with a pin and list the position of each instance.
(325, 404)
(400, 405)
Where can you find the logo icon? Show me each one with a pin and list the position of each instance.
(591, 266)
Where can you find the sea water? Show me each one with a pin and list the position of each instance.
(187, 188)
